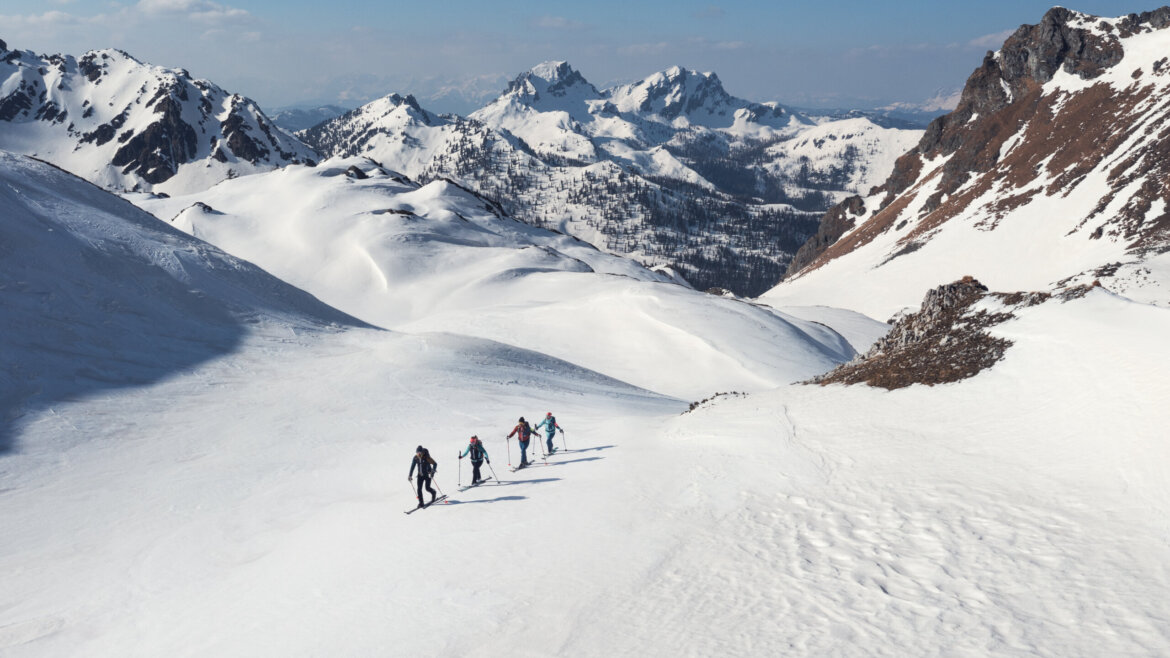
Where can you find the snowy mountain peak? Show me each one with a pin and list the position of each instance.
(122, 124)
(557, 153)
(676, 92)
(392, 102)
(558, 80)
(553, 70)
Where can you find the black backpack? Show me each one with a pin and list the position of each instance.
(427, 466)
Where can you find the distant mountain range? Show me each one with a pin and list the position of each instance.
(671, 170)
(1048, 173)
(293, 119)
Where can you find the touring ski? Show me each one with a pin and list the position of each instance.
(476, 484)
(415, 509)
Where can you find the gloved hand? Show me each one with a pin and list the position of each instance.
(461, 456)
(489, 462)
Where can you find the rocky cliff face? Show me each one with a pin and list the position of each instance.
(127, 125)
(1061, 137)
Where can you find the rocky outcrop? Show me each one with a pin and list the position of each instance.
(945, 341)
(835, 223)
(156, 152)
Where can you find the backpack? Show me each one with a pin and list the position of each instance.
(427, 465)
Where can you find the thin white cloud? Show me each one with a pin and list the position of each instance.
(990, 41)
(710, 12)
(645, 48)
(199, 10)
(47, 19)
(557, 23)
(166, 6)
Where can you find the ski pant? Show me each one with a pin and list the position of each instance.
(427, 483)
(523, 451)
(475, 471)
(549, 441)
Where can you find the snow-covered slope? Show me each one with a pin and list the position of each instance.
(1023, 512)
(251, 504)
(671, 170)
(99, 295)
(1051, 172)
(123, 124)
(439, 258)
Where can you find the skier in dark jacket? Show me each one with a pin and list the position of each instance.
(550, 427)
(478, 455)
(523, 434)
(426, 470)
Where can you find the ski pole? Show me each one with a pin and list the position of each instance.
(460, 471)
(494, 473)
(563, 442)
(417, 497)
(508, 442)
(436, 481)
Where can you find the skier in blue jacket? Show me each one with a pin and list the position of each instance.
(550, 427)
(478, 455)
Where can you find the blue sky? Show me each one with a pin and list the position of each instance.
(828, 53)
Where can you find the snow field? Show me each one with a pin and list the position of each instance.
(225, 512)
(450, 265)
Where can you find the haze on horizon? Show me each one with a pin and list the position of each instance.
(840, 53)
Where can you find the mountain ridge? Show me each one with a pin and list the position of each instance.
(1058, 145)
(123, 124)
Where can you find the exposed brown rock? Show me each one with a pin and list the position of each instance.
(944, 342)
(834, 224)
(1063, 137)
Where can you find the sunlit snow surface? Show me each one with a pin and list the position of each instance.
(250, 502)
(437, 258)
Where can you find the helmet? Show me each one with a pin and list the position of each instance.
(521, 419)
(549, 414)
(474, 439)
